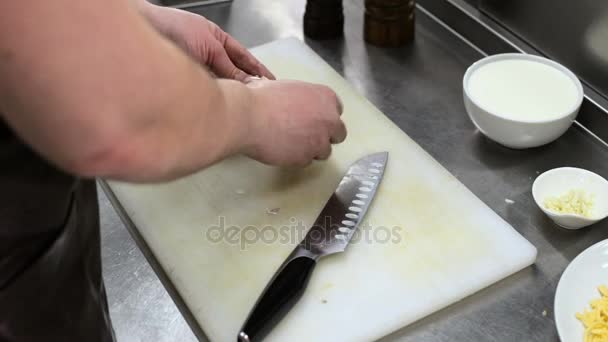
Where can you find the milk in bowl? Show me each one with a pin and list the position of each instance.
(520, 100)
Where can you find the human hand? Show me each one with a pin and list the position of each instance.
(294, 122)
(206, 42)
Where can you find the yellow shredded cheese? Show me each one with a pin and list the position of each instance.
(596, 320)
(573, 202)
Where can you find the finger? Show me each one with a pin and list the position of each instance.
(340, 104)
(338, 132)
(242, 58)
(251, 79)
(222, 66)
(330, 95)
(325, 152)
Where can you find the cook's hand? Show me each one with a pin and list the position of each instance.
(205, 42)
(293, 122)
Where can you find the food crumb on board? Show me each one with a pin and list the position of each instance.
(240, 191)
(509, 201)
(273, 211)
(545, 313)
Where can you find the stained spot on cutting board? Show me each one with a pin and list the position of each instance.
(327, 286)
(286, 179)
(436, 233)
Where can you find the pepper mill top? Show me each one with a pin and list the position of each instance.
(324, 19)
(389, 23)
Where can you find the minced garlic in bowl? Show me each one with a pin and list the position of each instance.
(575, 201)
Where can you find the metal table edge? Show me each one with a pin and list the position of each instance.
(151, 258)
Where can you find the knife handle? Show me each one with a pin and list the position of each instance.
(281, 294)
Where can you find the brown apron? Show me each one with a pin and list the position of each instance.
(50, 262)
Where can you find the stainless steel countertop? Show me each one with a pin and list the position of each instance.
(419, 87)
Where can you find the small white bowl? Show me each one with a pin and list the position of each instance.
(577, 287)
(519, 134)
(557, 182)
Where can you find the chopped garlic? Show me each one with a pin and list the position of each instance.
(596, 320)
(573, 202)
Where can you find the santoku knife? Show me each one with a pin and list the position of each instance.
(331, 233)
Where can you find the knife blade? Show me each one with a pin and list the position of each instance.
(332, 231)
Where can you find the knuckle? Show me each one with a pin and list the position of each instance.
(332, 124)
(234, 73)
(329, 93)
(215, 51)
(339, 134)
(237, 74)
(217, 31)
(332, 100)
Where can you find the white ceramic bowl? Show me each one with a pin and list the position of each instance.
(559, 181)
(519, 134)
(577, 287)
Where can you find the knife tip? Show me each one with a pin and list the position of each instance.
(243, 337)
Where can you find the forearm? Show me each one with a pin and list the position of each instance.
(200, 128)
(127, 105)
(194, 129)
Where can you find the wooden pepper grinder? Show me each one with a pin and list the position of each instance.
(389, 23)
(324, 19)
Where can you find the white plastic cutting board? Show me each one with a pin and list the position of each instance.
(448, 244)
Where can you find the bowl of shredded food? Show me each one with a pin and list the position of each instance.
(581, 298)
(573, 198)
